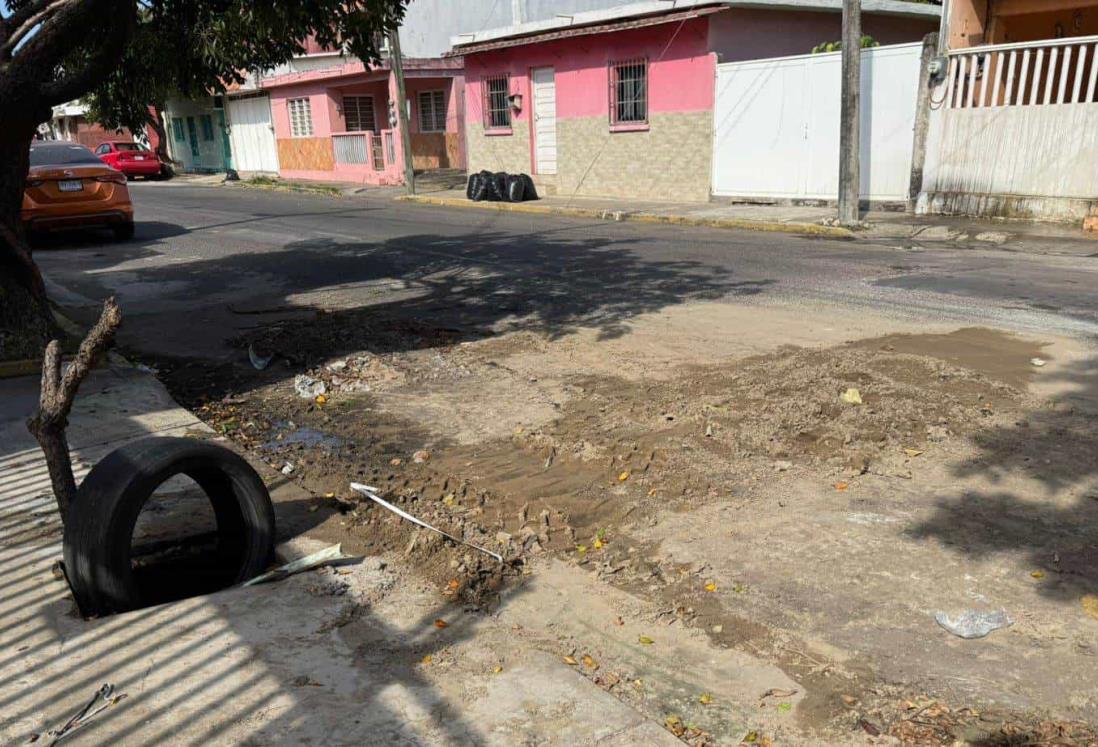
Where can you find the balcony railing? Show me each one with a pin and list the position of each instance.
(1044, 73)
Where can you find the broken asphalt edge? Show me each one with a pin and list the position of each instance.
(748, 224)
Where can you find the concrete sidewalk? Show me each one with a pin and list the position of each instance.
(321, 658)
(799, 219)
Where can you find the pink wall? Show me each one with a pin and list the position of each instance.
(740, 35)
(379, 90)
(453, 88)
(680, 76)
(321, 104)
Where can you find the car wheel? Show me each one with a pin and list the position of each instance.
(123, 231)
(100, 525)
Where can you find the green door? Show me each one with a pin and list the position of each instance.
(193, 131)
(226, 144)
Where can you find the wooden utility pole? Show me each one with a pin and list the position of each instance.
(849, 140)
(402, 110)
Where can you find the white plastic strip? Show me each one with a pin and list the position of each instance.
(367, 491)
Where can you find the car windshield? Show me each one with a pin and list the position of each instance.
(60, 155)
(129, 146)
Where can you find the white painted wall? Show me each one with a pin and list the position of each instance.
(429, 24)
(776, 125)
(1014, 132)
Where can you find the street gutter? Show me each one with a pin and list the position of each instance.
(749, 224)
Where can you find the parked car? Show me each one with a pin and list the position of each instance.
(132, 159)
(68, 187)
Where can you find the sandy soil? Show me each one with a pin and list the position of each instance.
(707, 461)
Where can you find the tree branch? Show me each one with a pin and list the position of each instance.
(56, 398)
(97, 67)
(26, 20)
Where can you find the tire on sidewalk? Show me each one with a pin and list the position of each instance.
(100, 525)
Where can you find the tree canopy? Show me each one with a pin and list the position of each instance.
(131, 53)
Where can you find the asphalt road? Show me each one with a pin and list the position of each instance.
(206, 259)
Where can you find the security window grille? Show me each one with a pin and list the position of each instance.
(629, 92)
(358, 113)
(497, 112)
(432, 111)
(177, 129)
(207, 128)
(301, 118)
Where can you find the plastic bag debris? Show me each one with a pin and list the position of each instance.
(972, 623)
(309, 388)
(1039, 362)
(259, 362)
(851, 396)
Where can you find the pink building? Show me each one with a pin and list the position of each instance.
(619, 102)
(337, 121)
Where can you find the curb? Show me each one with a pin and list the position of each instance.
(748, 224)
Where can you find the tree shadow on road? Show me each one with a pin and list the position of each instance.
(1052, 519)
(326, 298)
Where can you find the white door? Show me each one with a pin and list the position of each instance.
(545, 120)
(251, 132)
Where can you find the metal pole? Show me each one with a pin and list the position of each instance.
(849, 141)
(402, 110)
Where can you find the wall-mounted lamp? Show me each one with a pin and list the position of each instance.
(515, 100)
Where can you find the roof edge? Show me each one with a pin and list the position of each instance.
(534, 29)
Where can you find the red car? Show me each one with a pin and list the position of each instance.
(132, 159)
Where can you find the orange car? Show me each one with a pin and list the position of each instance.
(68, 187)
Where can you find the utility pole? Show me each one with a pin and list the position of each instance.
(849, 140)
(402, 110)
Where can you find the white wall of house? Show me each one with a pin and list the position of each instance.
(776, 125)
(430, 24)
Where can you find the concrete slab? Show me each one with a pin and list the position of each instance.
(348, 656)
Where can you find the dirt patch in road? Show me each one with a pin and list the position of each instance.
(484, 440)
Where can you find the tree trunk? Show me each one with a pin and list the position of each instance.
(58, 392)
(26, 324)
(156, 121)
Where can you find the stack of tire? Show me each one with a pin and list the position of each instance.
(500, 187)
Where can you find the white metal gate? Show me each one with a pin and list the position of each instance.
(776, 125)
(251, 133)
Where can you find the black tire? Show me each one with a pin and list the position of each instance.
(516, 188)
(123, 231)
(101, 520)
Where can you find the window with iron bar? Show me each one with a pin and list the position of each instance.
(629, 91)
(301, 118)
(497, 110)
(177, 129)
(358, 113)
(432, 111)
